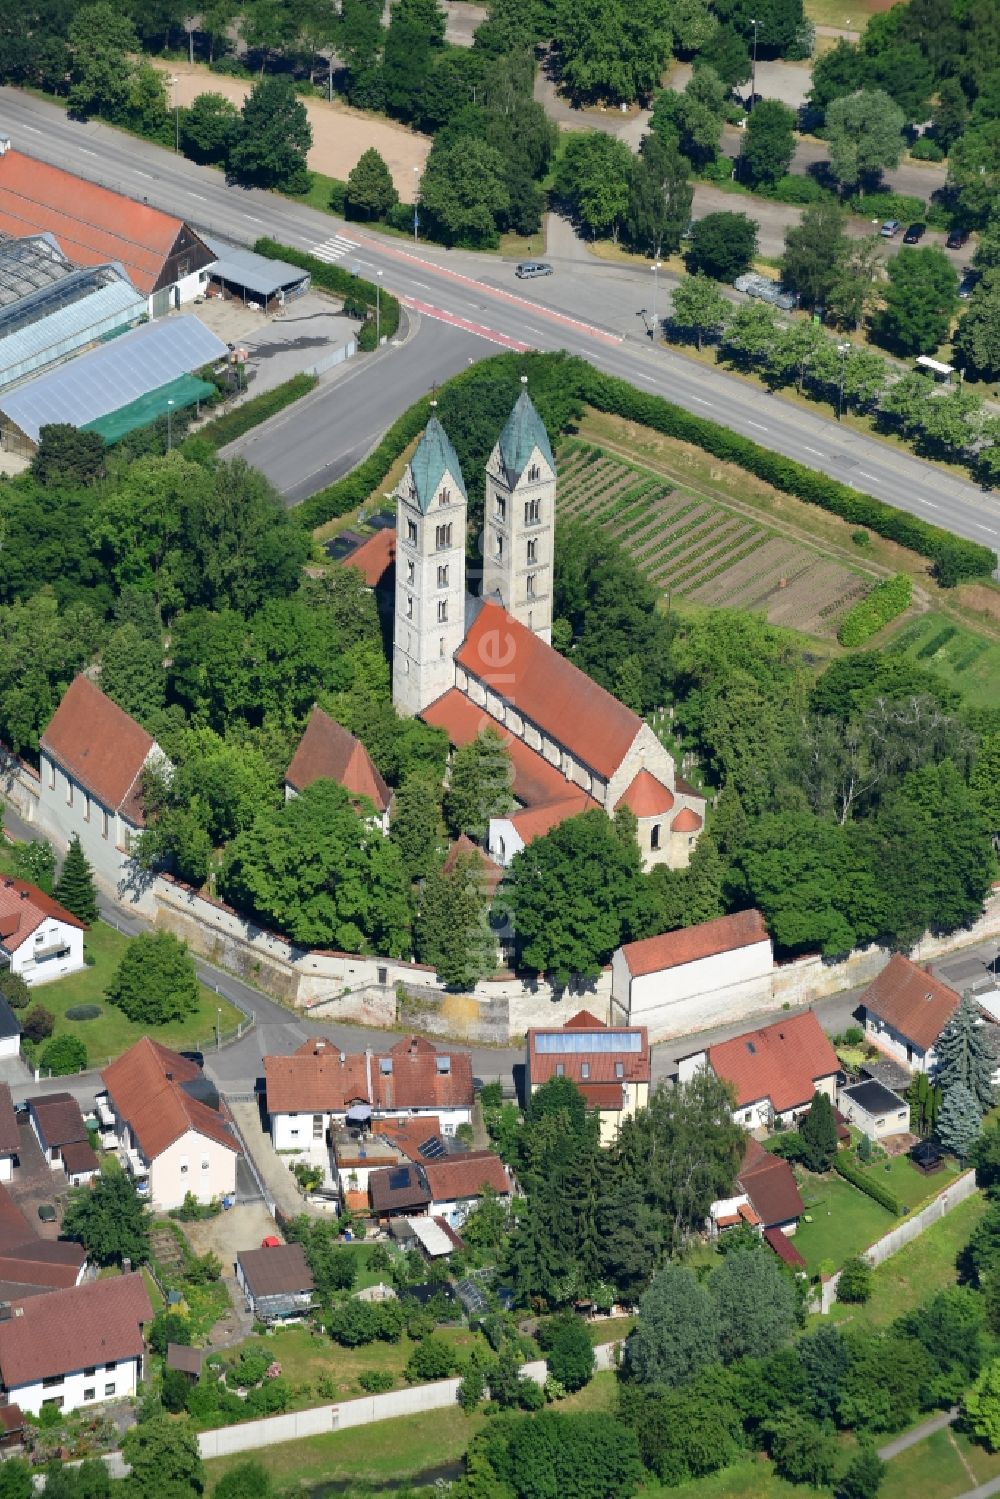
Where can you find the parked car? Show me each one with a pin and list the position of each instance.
(766, 290)
(914, 234)
(752, 99)
(890, 229)
(967, 285)
(530, 268)
(957, 238)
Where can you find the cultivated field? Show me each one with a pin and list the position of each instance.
(709, 554)
(967, 660)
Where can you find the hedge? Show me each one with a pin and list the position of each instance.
(886, 601)
(848, 1168)
(242, 418)
(342, 283)
(954, 558)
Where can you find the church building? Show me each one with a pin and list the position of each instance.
(470, 663)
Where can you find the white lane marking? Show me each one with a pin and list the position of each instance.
(701, 400)
(815, 452)
(758, 425)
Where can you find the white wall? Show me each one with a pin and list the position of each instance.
(694, 996)
(285, 1126)
(194, 1163)
(42, 970)
(876, 1126)
(504, 840)
(897, 1046)
(75, 1387)
(65, 808)
(6, 1168)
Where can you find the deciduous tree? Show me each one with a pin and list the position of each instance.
(155, 982)
(479, 785)
(612, 49)
(699, 307)
(756, 1303)
(920, 300)
(164, 1451)
(768, 142)
(723, 245)
(269, 147)
(109, 1218)
(464, 189)
(208, 128)
(678, 1330)
(815, 249)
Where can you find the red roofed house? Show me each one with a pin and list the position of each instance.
(465, 664)
(610, 1066)
(92, 756)
(327, 752)
(768, 1197)
(774, 1072)
(905, 1010)
(693, 978)
(375, 559)
(163, 257)
(172, 1134)
(75, 1348)
(457, 1183)
(39, 938)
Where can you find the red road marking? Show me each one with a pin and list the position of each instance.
(460, 322)
(535, 308)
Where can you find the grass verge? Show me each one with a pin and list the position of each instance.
(225, 429)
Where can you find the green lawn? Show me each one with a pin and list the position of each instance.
(910, 1186)
(844, 1221)
(752, 1479)
(112, 1033)
(944, 1465)
(968, 661)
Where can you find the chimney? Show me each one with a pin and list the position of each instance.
(23, 894)
(4, 144)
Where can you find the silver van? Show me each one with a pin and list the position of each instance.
(526, 269)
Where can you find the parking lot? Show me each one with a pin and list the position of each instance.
(304, 333)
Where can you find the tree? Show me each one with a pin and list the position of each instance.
(698, 306)
(723, 245)
(692, 120)
(881, 1389)
(14, 990)
(371, 192)
(678, 1330)
(270, 145)
(728, 55)
(818, 1133)
(415, 35)
(825, 1359)
(569, 1352)
(209, 127)
(985, 1156)
(974, 170)
(572, 895)
(594, 174)
(659, 198)
(75, 889)
(67, 456)
(612, 49)
(981, 1406)
(16, 1480)
(768, 142)
(35, 862)
(247, 1480)
(815, 249)
(862, 1478)
(452, 931)
(479, 785)
(156, 981)
(63, 1056)
(161, 1452)
(803, 1452)
(314, 868)
(977, 338)
(132, 673)
(416, 823)
(756, 1303)
(855, 1283)
(110, 1219)
(959, 1121)
(964, 1054)
(464, 190)
(835, 74)
(778, 21)
(857, 289)
(864, 132)
(102, 41)
(920, 300)
(588, 1455)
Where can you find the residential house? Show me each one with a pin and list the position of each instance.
(173, 1134)
(905, 1010)
(457, 1183)
(327, 752)
(75, 1348)
(693, 978)
(91, 760)
(276, 1281)
(610, 1065)
(57, 1122)
(319, 1087)
(774, 1072)
(874, 1109)
(10, 1037)
(767, 1196)
(398, 1191)
(29, 1264)
(10, 1135)
(39, 939)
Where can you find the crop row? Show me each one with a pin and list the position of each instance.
(723, 546)
(730, 562)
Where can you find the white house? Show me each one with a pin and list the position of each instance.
(874, 1109)
(75, 1348)
(91, 759)
(172, 1134)
(774, 1072)
(58, 1124)
(320, 1086)
(767, 1196)
(457, 1183)
(10, 1139)
(39, 939)
(276, 1281)
(905, 1010)
(694, 978)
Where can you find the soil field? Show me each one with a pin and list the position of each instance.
(703, 551)
(340, 134)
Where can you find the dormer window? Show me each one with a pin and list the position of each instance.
(385, 1066)
(443, 1064)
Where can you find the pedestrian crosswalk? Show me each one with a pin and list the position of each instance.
(334, 248)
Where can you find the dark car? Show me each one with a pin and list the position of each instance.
(752, 99)
(968, 285)
(914, 234)
(957, 238)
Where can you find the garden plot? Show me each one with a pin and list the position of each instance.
(702, 550)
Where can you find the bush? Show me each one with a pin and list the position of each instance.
(39, 1024)
(571, 1353)
(855, 1283)
(888, 206)
(432, 1358)
(376, 1381)
(174, 1391)
(64, 1055)
(887, 601)
(249, 1369)
(925, 148)
(795, 189)
(335, 279)
(848, 1168)
(251, 413)
(14, 990)
(354, 1323)
(83, 1012)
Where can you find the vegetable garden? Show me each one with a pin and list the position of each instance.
(707, 553)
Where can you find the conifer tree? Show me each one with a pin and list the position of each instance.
(75, 889)
(958, 1125)
(818, 1132)
(965, 1055)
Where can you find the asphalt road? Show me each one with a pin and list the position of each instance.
(593, 311)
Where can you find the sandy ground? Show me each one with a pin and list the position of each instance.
(340, 134)
(788, 81)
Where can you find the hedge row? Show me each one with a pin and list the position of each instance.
(342, 496)
(954, 558)
(353, 289)
(227, 428)
(886, 601)
(848, 1168)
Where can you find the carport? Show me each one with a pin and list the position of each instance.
(254, 279)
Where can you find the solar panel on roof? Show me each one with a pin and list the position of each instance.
(399, 1179)
(549, 1042)
(433, 1148)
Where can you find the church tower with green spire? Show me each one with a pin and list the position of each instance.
(429, 623)
(519, 519)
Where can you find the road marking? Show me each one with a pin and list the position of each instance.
(863, 475)
(85, 152)
(758, 425)
(701, 400)
(490, 334)
(334, 248)
(815, 452)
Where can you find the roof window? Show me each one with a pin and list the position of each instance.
(385, 1065)
(443, 1064)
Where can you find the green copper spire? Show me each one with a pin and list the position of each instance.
(434, 457)
(524, 432)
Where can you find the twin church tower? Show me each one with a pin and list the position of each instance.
(517, 549)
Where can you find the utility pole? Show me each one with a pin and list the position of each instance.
(655, 268)
(416, 203)
(753, 65)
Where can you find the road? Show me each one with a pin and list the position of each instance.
(592, 311)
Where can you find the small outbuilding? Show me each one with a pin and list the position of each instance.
(276, 1281)
(874, 1109)
(184, 1360)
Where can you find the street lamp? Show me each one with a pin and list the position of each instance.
(753, 66)
(174, 82)
(170, 430)
(655, 267)
(416, 204)
(843, 350)
(218, 1028)
(378, 309)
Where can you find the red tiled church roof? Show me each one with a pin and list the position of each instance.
(646, 796)
(686, 821)
(689, 944)
(327, 751)
(98, 744)
(911, 1000)
(375, 558)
